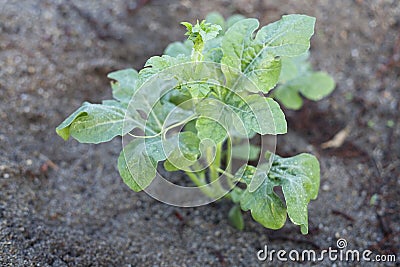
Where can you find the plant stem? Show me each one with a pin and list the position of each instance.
(231, 177)
(214, 189)
(213, 163)
(228, 155)
(227, 174)
(163, 132)
(207, 190)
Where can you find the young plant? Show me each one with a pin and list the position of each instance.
(192, 108)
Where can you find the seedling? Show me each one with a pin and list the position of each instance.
(191, 109)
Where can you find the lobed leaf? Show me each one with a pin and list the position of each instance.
(183, 150)
(158, 64)
(212, 48)
(215, 113)
(210, 129)
(297, 77)
(96, 123)
(315, 86)
(258, 58)
(299, 178)
(265, 115)
(287, 37)
(289, 96)
(217, 19)
(137, 162)
(125, 85)
(264, 204)
(293, 67)
(179, 48)
(233, 19)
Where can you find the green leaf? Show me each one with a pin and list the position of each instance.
(210, 129)
(213, 51)
(198, 90)
(240, 51)
(315, 86)
(182, 150)
(168, 166)
(157, 64)
(288, 96)
(245, 115)
(293, 67)
(287, 37)
(179, 97)
(236, 194)
(266, 207)
(96, 123)
(178, 48)
(235, 217)
(258, 58)
(298, 77)
(221, 116)
(137, 162)
(217, 19)
(265, 115)
(159, 76)
(200, 34)
(245, 175)
(233, 19)
(190, 127)
(246, 152)
(299, 177)
(164, 115)
(125, 85)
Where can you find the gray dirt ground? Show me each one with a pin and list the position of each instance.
(56, 54)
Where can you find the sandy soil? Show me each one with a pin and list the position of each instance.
(63, 203)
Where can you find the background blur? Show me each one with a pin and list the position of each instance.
(63, 203)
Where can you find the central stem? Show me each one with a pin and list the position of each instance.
(214, 189)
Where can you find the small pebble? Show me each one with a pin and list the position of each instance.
(326, 187)
(6, 176)
(373, 24)
(31, 70)
(29, 162)
(355, 53)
